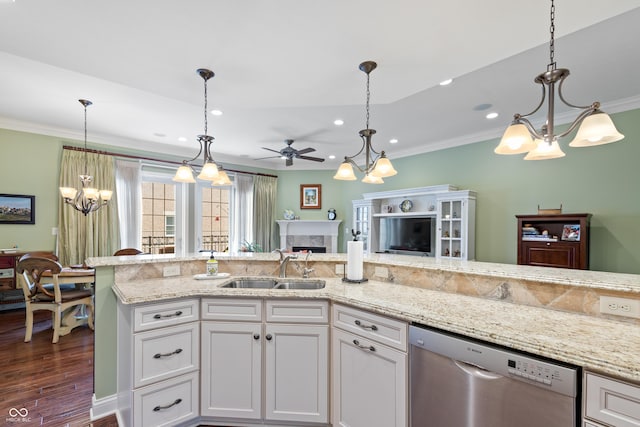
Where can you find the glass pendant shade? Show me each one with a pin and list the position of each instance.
(68, 192)
(345, 172)
(184, 174)
(515, 140)
(90, 193)
(106, 195)
(383, 168)
(221, 180)
(596, 129)
(372, 179)
(545, 151)
(209, 171)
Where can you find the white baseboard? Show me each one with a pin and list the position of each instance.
(100, 408)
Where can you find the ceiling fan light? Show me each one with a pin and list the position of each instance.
(345, 172)
(515, 140)
(209, 172)
(545, 151)
(383, 167)
(68, 192)
(372, 179)
(596, 129)
(184, 174)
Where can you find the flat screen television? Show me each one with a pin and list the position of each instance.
(413, 236)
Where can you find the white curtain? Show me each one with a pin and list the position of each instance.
(128, 186)
(264, 211)
(243, 211)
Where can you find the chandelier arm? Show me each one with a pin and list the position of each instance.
(542, 99)
(359, 152)
(578, 120)
(532, 130)
(353, 163)
(593, 106)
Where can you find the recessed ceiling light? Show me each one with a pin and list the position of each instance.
(482, 107)
(332, 157)
(446, 82)
(182, 139)
(216, 112)
(338, 122)
(491, 115)
(393, 141)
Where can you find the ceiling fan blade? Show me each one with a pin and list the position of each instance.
(315, 159)
(289, 161)
(270, 157)
(306, 150)
(269, 149)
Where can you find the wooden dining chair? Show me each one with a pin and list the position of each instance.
(62, 303)
(128, 251)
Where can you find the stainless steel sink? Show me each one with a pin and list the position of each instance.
(311, 284)
(251, 284)
(258, 283)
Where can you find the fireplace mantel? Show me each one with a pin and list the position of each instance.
(306, 228)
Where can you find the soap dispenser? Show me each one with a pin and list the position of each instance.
(212, 266)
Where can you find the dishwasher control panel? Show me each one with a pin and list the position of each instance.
(489, 357)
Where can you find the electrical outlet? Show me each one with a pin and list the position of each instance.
(340, 269)
(620, 306)
(381, 272)
(171, 270)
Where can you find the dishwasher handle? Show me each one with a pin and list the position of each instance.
(476, 370)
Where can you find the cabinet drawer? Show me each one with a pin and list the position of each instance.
(297, 311)
(167, 403)
(382, 329)
(166, 353)
(612, 402)
(246, 310)
(165, 314)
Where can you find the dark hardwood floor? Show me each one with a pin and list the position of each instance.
(52, 382)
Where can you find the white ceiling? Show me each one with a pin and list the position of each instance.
(288, 68)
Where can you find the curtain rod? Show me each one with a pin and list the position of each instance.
(132, 156)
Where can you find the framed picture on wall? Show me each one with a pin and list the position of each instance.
(17, 209)
(310, 196)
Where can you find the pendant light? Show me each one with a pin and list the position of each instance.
(87, 199)
(377, 165)
(209, 171)
(596, 127)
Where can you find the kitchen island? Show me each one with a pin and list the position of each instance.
(546, 312)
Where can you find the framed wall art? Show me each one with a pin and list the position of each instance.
(17, 209)
(310, 196)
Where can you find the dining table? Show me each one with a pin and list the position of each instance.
(81, 277)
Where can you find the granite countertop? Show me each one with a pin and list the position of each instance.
(602, 345)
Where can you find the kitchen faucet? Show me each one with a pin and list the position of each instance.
(306, 271)
(284, 260)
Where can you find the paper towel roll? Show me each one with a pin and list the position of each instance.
(355, 256)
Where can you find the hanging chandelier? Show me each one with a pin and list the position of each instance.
(596, 127)
(377, 165)
(87, 199)
(209, 171)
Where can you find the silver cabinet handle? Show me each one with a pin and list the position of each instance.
(160, 408)
(159, 355)
(160, 316)
(364, 347)
(372, 327)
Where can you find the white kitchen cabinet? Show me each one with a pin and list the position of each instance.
(363, 221)
(611, 402)
(158, 363)
(455, 231)
(280, 358)
(369, 378)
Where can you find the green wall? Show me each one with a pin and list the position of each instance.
(600, 180)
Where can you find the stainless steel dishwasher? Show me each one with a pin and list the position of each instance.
(456, 382)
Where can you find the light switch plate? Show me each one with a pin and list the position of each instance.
(171, 270)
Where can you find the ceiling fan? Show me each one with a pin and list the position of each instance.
(289, 153)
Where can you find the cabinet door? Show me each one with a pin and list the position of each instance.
(297, 372)
(369, 383)
(231, 370)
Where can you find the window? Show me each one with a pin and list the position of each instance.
(158, 217)
(214, 218)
